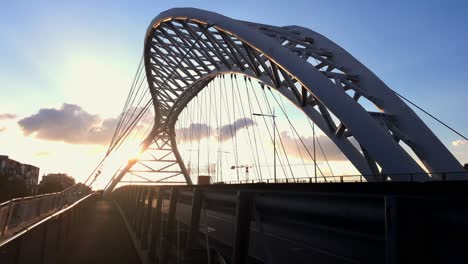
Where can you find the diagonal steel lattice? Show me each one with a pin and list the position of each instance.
(185, 48)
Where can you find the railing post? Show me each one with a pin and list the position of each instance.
(7, 220)
(444, 176)
(244, 207)
(341, 179)
(156, 227)
(43, 245)
(68, 216)
(192, 237)
(392, 236)
(170, 226)
(146, 221)
(18, 246)
(38, 209)
(58, 223)
(139, 194)
(141, 213)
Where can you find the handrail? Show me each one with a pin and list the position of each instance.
(27, 198)
(355, 221)
(24, 211)
(41, 195)
(412, 177)
(27, 229)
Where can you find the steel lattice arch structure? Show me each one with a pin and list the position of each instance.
(185, 48)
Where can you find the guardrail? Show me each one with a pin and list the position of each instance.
(19, 213)
(411, 177)
(47, 240)
(378, 222)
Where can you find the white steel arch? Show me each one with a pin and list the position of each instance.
(185, 48)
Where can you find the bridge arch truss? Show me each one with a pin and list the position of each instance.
(186, 48)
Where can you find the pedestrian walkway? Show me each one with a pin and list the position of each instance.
(102, 239)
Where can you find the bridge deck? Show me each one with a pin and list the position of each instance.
(103, 239)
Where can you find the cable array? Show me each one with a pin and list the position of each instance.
(218, 135)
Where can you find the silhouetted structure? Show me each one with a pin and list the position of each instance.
(11, 187)
(17, 179)
(55, 182)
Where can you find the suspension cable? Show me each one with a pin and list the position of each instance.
(432, 116)
(166, 79)
(256, 170)
(277, 130)
(301, 141)
(323, 152)
(253, 129)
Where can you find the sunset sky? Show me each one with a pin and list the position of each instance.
(66, 66)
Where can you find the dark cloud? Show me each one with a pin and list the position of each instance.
(293, 146)
(194, 132)
(7, 116)
(70, 123)
(226, 132)
(197, 131)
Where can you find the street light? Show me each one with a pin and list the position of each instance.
(274, 139)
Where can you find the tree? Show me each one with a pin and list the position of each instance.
(55, 182)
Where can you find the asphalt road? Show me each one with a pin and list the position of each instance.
(283, 242)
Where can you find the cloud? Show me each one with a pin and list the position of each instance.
(194, 132)
(226, 132)
(197, 131)
(460, 142)
(6, 116)
(69, 123)
(294, 147)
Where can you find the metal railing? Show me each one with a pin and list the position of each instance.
(48, 239)
(338, 224)
(411, 177)
(18, 213)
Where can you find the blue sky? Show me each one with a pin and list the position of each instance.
(417, 47)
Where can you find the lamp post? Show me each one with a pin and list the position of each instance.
(220, 170)
(273, 116)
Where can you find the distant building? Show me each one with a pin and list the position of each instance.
(29, 174)
(55, 182)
